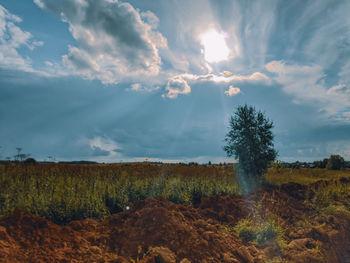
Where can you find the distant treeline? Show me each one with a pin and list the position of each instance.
(33, 161)
(315, 164)
(334, 162)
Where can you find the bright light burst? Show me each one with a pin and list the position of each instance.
(215, 48)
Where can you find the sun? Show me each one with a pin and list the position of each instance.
(214, 46)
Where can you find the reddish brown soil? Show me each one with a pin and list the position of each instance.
(155, 230)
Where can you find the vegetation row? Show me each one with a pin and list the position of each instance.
(65, 192)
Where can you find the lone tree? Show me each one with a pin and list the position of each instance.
(250, 140)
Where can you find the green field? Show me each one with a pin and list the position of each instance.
(304, 176)
(65, 192)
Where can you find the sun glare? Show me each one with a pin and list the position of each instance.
(214, 46)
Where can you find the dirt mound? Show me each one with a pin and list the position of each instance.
(295, 190)
(137, 233)
(225, 209)
(29, 238)
(156, 230)
(184, 230)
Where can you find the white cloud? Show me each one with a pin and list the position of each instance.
(256, 77)
(340, 98)
(12, 38)
(150, 18)
(136, 86)
(255, 32)
(179, 84)
(303, 82)
(113, 42)
(179, 62)
(142, 88)
(340, 90)
(306, 84)
(330, 36)
(232, 91)
(39, 3)
(104, 144)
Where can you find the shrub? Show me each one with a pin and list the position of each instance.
(335, 162)
(246, 230)
(30, 161)
(260, 232)
(270, 231)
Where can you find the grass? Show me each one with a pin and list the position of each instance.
(304, 176)
(261, 232)
(317, 249)
(65, 192)
(328, 193)
(261, 227)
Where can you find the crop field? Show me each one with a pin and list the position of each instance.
(304, 176)
(65, 192)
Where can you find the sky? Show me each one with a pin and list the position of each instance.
(113, 81)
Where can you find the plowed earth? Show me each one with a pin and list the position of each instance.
(156, 230)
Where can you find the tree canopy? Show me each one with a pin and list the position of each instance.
(335, 162)
(250, 140)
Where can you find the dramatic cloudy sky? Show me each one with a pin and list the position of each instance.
(112, 80)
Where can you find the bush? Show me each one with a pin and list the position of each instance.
(321, 163)
(30, 161)
(335, 162)
(260, 232)
(246, 230)
(268, 232)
